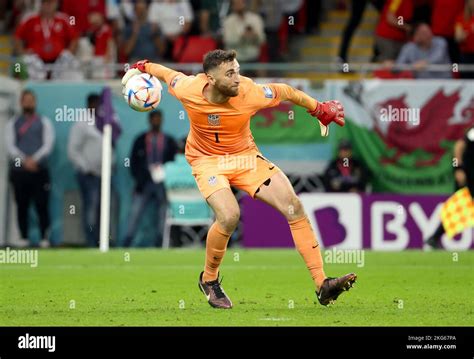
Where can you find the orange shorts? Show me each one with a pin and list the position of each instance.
(246, 171)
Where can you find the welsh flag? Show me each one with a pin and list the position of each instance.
(457, 213)
(404, 131)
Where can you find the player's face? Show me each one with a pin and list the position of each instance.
(227, 78)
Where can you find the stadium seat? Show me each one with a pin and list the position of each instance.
(189, 49)
(186, 207)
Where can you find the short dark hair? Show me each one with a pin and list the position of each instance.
(345, 144)
(93, 99)
(216, 57)
(417, 25)
(27, 92)
(155, 113)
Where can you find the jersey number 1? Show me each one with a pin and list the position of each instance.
(217, 137)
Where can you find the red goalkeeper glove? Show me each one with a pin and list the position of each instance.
(329, 111)
(140, 65)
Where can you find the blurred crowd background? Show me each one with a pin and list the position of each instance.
(92, 38)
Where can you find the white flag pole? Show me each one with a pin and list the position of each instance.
(105, 188)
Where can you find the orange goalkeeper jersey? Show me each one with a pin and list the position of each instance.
(219, 129)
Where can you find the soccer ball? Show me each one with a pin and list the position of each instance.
(143, 92)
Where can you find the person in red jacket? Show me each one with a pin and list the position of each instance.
(46, 38)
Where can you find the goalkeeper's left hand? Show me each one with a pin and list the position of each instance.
(327, 112)
(135, 69)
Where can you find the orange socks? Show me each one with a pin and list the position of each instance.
(216, 245)
(308, 246)
(303, 236)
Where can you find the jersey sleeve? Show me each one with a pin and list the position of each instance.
(176, 81)
(263, 96)
(270, 95)
(178, 84)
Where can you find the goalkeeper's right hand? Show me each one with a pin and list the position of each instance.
(135, 69)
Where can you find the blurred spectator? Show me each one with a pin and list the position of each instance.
(243, 31)
(443, 16)
(142, 38)
(425, 50)
(393, 28)
(48, 38)
(100, 36)
(356, 15)
(210, 17)
(81, 10)
(464, 35)
(85, 153)
(119, 13)
(190, 45)
(314, 13)
(96, 45)
(292, 7)
(345, 173)
(272, 13)
(195, 9)
(29, 139)
(150, 151)
(175, 18)
(295, 19)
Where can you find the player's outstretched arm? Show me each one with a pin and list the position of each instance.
(163, 73)
(325, 112)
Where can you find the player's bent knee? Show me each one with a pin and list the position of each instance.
(229, 220)
(294, 209)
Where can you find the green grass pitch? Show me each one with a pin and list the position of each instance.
(267, 287)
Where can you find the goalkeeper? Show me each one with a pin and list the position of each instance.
(220, 104)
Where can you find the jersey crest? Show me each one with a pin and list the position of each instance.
(214, 120)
